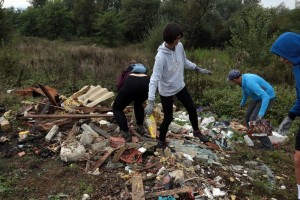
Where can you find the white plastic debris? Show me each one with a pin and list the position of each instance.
(142, 149)
(206, 121)
(217, 192)
(187, 156)
(277, 138)
(283, 187)
(208, 193)
(85, 197)
(96, 172)
(178, 175)
(248, 141)
(161, 170)
(72, 152)
(128, 168)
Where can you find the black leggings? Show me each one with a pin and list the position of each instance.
(167, 104)
(134, 89)
(297, 143)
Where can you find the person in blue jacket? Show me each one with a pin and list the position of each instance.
(262, 95)
(287, 47)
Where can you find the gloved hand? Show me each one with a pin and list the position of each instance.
(258, 119)
(202, 71)
(285, 126)
(149, 108)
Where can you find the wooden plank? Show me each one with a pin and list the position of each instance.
(99, 130)
(102, 159)
(92, 109)
(119, 153)
(48, 95)
(137, 187)
(80, 116)
(168, 192)
(45, 109)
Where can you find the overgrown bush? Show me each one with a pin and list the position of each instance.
(153, 38)
(250, 42)
(9, 65)
(224, 101)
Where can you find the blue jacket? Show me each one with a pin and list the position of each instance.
(258, 89)
(287, 46)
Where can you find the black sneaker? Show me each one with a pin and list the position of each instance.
(163, 145)
(199, 135)
(141, 130)
(127, 136)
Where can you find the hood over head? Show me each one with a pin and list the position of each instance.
(287, 45)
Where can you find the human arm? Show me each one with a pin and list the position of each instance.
(155, 78)
(244, 99)
(202, 71)
(186, 62)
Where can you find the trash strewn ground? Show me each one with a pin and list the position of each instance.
(58, 147)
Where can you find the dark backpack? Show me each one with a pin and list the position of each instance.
(122, 77)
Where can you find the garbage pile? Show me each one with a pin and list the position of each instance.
(79, 129)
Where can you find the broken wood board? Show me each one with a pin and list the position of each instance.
(137, 187)
(102, 159)
(78, 116)
(99, 130)
(169, 192)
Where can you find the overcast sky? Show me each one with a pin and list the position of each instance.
(21, 4)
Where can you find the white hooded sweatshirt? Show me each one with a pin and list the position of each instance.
(168, 71)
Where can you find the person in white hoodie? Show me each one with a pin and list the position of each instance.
(168, 77)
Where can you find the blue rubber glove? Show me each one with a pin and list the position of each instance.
(202, 71)
(149, 108)
(285, 126)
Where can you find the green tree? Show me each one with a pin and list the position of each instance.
(138, 16)
(109, 28)
(291, 22)
(55, 21)
(193, 14)
(172, 9)
(251, 40)
(153, 38)
(28, 22)
(84, 16)
(5, 24)
(37, 3)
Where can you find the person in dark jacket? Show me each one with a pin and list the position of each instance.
(287, 47)
(262, 97)
(134, 88)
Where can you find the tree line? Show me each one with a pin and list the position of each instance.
(206, 23)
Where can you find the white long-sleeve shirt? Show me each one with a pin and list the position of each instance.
(168, 71)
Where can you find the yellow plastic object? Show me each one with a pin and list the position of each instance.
(151, 124)
(23, 135)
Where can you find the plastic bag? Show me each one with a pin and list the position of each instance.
(261, 129)
(151, 124)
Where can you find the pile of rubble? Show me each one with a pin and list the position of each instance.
(79, 129)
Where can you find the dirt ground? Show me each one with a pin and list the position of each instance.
(45, 176)
(40, 174)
